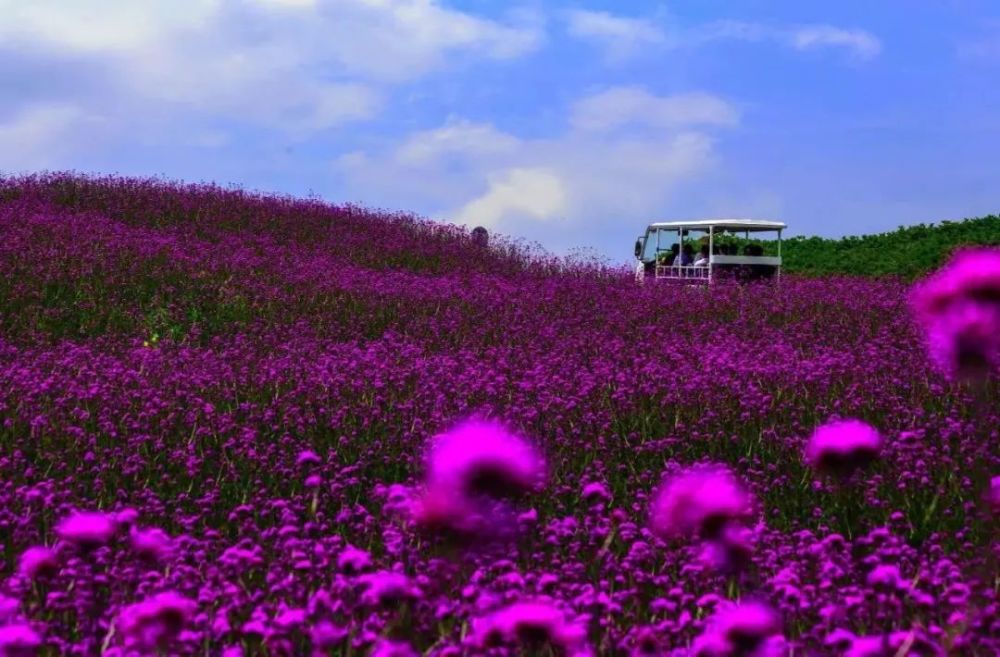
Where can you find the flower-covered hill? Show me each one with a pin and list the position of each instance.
(241, 426)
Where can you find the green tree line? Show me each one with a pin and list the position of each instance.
(908, 251)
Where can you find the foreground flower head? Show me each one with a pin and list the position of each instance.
(87, 530)
(964, 343)
(739, 630)
(152, 545)
(843, 447)
(480, 458)
(38, 561)
(157, 621)
(900, 642)
(453, 516)
(387, 648)
(993, 495)
(352, 560)
(959, 309)
(731, 552)
(529, 624)
(385, 588)
(699, 502)
(971, 274)
(19, 640)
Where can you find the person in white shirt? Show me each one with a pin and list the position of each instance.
(703, 258)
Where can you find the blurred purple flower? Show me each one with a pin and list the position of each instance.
(900, 642)
(19, 640)
(87, 530)
(531, 624)
(156, 621)
(959, 309)
(479, 458)
(842, 447)
(739, 630)
(387, 588)
(645, 644)
(388, 648)
(353, 560)
(699, 502)
(972, 273)
(126, 517)
(993, 495)
(886, 576)
(454, 516)
(732, 551)
(325, 635)
(38, 561)
(595, 492)
(307, 457)
(152, 545)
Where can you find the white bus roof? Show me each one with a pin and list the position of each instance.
(725, 224)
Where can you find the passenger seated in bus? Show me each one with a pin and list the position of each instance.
(675, 250)
(703, 258)
(687, 255)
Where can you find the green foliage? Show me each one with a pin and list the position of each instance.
(907, 252)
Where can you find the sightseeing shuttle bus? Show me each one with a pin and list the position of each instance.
(707, 250)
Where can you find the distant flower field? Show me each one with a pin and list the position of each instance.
(233, 425)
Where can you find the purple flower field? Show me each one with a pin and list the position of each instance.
(242, 425)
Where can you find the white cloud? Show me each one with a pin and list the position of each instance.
(40, 135)
(91, 26)
(287, 4)
(399, 40)
(296, 66)
(633, 105)
(460, 137)
(862, 43)
(473, 173)
(535, 192)
(620, 36)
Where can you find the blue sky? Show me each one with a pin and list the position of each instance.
(568, 124)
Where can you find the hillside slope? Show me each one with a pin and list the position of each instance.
(221, 409)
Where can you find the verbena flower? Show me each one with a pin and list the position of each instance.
(307, 457)
(157, 621)
(353, 560)
(388, 648)
(959, 309)
(152, 545)
(595, 492)
(891, 645)
(739, 630)
(731, 552)
(87, 530)
(993, 495)
(972, 273)
(480, 458)
(38, 561)
(840, 448)
(699, 502)
(19, 640)
(531, 624)
(387, 588)
(645, 644)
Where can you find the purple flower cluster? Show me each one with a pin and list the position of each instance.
(249, 426)
(959, 307)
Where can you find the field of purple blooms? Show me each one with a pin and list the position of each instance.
(237, 425)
